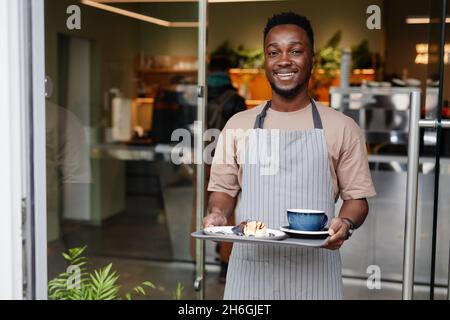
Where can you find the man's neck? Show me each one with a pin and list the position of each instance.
(298, 102)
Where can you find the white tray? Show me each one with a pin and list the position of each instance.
(288, 241)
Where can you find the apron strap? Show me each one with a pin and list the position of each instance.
(316, 116)
(259, 121)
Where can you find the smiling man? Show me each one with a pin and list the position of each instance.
(322, 156)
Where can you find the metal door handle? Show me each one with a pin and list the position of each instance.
(426, 123)
(198, 284)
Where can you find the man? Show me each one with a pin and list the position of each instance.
(321, 155)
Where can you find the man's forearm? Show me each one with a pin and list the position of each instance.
(355, 210)
(220, 202)
(220, 208)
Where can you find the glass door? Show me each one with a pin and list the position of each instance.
(391, 247)
(122, 81)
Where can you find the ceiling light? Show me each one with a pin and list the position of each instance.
(422, 54)
(139, 16)
(101, 4)
(424, 20)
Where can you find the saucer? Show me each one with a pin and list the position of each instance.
(321, 234)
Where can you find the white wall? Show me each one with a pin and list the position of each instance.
(11, 146)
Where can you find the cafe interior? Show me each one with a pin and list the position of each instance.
(124, 76)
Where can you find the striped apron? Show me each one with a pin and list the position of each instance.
(284, 169)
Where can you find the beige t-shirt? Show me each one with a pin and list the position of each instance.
(346, 149)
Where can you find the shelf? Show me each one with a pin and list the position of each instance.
(246, 71)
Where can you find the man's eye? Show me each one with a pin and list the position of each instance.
(272, 53)
(297, 52)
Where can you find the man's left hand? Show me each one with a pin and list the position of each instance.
(338, 233)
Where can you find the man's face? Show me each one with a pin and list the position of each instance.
(288, 59)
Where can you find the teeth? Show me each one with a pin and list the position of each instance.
(286, 74)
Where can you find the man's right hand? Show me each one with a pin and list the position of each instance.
(214, 219)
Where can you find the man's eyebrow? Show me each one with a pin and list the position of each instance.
(276, 43)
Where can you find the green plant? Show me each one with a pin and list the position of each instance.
(240, 57)
(177, 295)
(329, 57)
(79, 284)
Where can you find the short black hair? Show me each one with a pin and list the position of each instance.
(290, 18)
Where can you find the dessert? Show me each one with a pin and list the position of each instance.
(252, 228)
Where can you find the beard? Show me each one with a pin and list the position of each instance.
(287, 93)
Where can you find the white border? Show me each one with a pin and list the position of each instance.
(11, 166)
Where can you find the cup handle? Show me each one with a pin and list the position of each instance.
(324, 221)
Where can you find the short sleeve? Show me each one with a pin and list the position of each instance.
(225, 168)
(353, 173)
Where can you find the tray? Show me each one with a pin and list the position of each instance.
(288, 241)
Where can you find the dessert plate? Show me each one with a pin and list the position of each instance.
(226, 232)
(322, 234)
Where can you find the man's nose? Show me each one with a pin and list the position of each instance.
(285, 60)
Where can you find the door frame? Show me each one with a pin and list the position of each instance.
(13, 89)
(38, 185)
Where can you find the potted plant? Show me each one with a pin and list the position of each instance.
(77, 283)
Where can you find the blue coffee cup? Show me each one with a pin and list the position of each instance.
(306, 219)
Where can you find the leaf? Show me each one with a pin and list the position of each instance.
(149, 284)
(335, 39)
(66, 256)
(95, 282)
(108, 268)
(128, 296)
(77, 261)
(177, 295)
(76, 252)
(109, 294)
(140, 290)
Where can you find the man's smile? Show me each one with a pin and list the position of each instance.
(285, 75)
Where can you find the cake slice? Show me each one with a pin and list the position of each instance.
(251, 228)
(255, 229)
